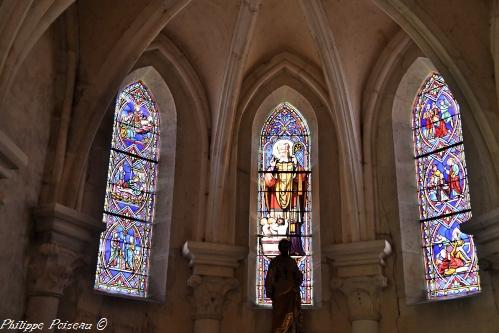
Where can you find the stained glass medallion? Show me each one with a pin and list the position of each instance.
(125, 245)
(450, 260)
(284, 196)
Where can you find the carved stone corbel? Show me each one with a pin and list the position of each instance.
(62, 236)
(212, 280)
(210, 295)
(51, 269)
(362, 295)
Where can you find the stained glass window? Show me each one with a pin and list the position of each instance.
(284, 196)
(450, 260)
(125, 245)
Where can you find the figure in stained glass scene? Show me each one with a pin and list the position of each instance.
(129, 182)
(130, 250)
(282, 285)
(454, 181)
(116, 247)
(428, 127)
(137, 128)
(446, 115)
(437, 187)
(453, 258)
(438, 124)
(285, 182)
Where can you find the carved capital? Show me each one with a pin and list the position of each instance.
(210, 295)
(362, 294)
(358, 274)
(51, 269)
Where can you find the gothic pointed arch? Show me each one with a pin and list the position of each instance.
(450, 260)
(439, 260)
(132, 259)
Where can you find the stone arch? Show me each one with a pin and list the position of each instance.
(287, 85)
(446, 57)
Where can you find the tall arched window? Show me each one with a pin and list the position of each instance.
(284, 196)
(125, 245)
(450, 261)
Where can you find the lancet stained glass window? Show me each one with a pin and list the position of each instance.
(284, 196)
(125, 245)
(451, 265)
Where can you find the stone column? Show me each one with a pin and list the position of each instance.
(358, 274)
(62, 239)
(485, 231)
(212, 280)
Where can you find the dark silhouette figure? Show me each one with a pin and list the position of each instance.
(282, 285)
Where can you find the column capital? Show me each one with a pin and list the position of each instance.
(362, 293)
(212, 278)
(210, 295)
(358, 274)
(58, 224)
(213, 259)
(365, 258)
(485, 230)
(51, 269)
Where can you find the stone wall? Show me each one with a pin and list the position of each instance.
(26, 119)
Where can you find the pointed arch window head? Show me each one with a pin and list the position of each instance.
(125, 245)
(450, 260)
(284, 196)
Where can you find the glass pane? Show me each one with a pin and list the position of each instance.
(451, 265)
(137, 141)
(123, 261)
(131, 186)
(125, 245)
(284, 195)
(442, 183)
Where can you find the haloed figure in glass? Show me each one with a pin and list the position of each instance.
(285, 193)
(282, 286)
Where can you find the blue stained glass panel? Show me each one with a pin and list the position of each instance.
(131, 186)
(125, 245)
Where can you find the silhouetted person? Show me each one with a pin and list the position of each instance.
(282, 285)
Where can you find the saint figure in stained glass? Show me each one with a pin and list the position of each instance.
(284, 195)
(450, 260)
(123, 261)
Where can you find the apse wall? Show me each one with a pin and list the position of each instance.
(31, 100)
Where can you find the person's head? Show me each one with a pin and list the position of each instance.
(283, 150)
(280, 221)
(284, 246)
